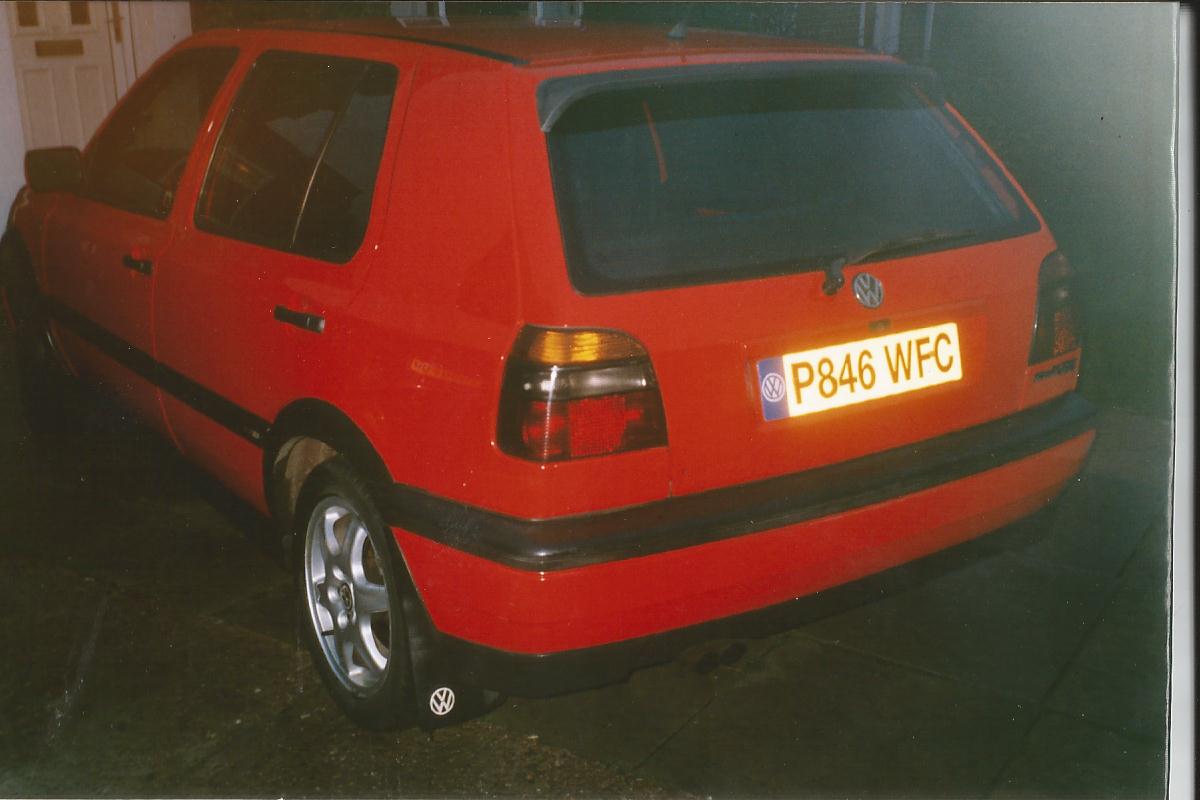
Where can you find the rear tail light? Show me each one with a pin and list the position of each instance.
(1056, 324)
(572, 393)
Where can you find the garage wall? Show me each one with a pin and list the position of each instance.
(12, 138)
(1079, 101)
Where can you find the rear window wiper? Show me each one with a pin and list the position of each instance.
(834, 279)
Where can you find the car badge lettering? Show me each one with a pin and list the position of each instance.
(868, 289)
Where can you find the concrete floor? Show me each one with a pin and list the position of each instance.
(148, 649)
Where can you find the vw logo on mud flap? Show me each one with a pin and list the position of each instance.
(868, 289)
(441, 701)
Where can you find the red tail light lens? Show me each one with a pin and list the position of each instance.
(1056, 325)
(579, 393)
(544, 430)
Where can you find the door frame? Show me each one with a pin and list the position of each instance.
(120, 41)
(100, 26)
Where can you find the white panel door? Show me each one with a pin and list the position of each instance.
(64, 67)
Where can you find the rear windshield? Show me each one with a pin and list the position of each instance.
(698, 183)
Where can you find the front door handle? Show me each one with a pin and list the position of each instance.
(142, 265)
(309, 322)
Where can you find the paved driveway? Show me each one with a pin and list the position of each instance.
(148, 649)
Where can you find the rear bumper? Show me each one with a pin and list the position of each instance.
(528, 597)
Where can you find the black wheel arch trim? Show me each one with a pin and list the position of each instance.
(583, 540)
(320, 420)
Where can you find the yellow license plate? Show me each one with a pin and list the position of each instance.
(817, 380)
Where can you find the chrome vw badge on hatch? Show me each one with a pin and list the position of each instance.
(868, 290)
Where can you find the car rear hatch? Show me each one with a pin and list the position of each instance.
(820, 258)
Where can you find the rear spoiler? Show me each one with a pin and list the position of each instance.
(555, 95)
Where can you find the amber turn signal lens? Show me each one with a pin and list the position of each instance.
(569, 347)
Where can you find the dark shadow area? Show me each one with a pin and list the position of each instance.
(100, 443)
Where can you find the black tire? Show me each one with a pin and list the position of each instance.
(343, 620)
(46, 386)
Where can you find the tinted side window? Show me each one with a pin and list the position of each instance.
(135, 161)
(295, 166)
(339, 203)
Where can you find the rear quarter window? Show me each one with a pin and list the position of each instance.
(699, 183)
(296, 164)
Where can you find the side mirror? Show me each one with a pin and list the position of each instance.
(54, 169)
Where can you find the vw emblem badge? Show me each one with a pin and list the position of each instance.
(868, 290)
(772, 387)
(441, 702)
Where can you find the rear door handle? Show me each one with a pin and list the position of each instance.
(142, 265)
(314, 323)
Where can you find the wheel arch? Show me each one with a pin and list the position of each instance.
(304, 435)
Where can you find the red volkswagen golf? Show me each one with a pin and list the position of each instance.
(551, 349)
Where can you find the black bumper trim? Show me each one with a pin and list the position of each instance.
(670, 524)
(545, 675)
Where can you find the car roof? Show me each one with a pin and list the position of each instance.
(522, 42)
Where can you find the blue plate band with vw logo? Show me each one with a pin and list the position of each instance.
(772, 389)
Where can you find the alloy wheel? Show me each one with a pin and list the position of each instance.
(348, 595)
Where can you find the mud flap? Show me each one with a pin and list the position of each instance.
(440, 698)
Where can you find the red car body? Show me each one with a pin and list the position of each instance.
(517, 560)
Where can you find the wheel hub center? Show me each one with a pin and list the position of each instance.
(346, 596)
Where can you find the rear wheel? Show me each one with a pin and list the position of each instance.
(350, 587)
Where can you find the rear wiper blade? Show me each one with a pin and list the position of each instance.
(834, 279)
(914, 242)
